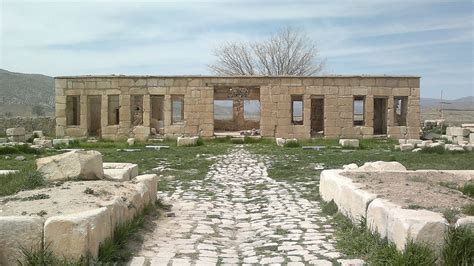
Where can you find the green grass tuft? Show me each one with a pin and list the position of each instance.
(114, 250)
(459, 246)
(468, 189)
(23, 180)
(292, 144)
(329, 208)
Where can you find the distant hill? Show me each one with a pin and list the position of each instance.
(461, 103)
(20, 92)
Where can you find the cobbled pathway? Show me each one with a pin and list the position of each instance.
(239, 215)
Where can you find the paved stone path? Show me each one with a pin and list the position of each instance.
(239, 215)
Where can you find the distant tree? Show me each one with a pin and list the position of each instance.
(8, 114)
(289, 51)
(38, 110)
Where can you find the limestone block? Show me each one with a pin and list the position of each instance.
(16, 131)
(382, 166)
(77, 234)
(120, 171)
(471, 138)
(187, 141)
(453, 147)
(377, 216)
(38, 133)
(421, 226)
(457, 131)
(87, 164)
(17, 232)
(331, 183)
(465, 221)
(150, 181)
(351, 166)
(6, 172)
(280, 142)
(414, 142)
(351, 262)
(350, 143)
(468, 147)
(46, 143)
(141, 132)
(353, 202)
(402, 141)
(406, 147)
(61, 141)
(131, 141)
(137, 261)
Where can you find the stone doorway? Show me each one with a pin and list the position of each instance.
(380, 116)
(94, 118)
(236, 109)
(156, 116)
(317, 116)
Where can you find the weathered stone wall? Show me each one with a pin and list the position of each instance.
(275, 98)
(45, 124)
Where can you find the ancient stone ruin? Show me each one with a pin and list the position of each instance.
(115, 107)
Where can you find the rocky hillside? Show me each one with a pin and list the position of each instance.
(20, 92)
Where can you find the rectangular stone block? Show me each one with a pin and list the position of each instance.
(77, 234)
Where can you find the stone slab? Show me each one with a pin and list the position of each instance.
(349, 143)
(120, 171)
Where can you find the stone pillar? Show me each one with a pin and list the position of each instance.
(146, 110)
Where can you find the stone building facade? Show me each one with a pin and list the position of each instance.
(114, 107)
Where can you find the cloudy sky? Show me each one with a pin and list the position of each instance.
(430, 38)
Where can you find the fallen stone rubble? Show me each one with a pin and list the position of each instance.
(77, 234)
(386, 218)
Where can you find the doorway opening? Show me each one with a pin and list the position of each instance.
(94, 115)
(237, 111)
(317, 116)
(156, 117)
(380, 116)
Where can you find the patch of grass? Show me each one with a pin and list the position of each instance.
(44, 256)
(292, 144)
(89, 191)
(281, 231)
(450, 185)
(468, 189)
(19, 149)
(451, 215)
(26, 179)
(114, 250)
(414, 207)
(468, 209)
(329, 208)
(357, 240)
(459, 246)
(437, 150)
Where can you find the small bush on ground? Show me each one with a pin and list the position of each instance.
(468, 209)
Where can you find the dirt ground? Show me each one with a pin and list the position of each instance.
(429, 190)
(63, 198)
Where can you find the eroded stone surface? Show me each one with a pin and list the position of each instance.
(239, 215)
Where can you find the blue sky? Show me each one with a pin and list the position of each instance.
(430, 38)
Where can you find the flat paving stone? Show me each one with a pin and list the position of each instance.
(239, 215)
